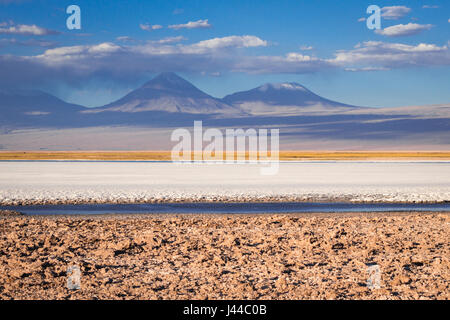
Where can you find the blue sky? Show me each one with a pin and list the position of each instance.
(228, 46)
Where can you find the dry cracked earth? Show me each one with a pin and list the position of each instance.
(307, 256)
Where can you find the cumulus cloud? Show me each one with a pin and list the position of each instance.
(125, 39)
(231, 41)
(73, 55)
(76, 65)
(210, 46)
(191, 25)
(292, 62)
(401, 30)
(126, 62)
(393, 55)
(306, 48)
(425, 6)
(366, 69)
(23, 29)
(391, 13)
(169, 40)
(294, 56)
(394, 12)
(148, 27)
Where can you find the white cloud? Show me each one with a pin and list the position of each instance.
(230, 41)
(125, 39)
(210, 46)
(292, 62)
(294, 56)
(306, 48)
(124, 62)
(368, 56)
(73, 54)
(106, 47)
(23, 29)
(170, 40)
(373, 54)
(191, 25)
(36, 113)
(167, 40)
(361, 19)
(393, 55)
(425, 6)
(394, 12)
(365, 69)
(148, 27)
(400, 30)
(75, 65)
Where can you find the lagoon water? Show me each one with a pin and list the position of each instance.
(227, 208)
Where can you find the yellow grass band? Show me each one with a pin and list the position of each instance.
(166, 155)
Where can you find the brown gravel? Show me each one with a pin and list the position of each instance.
(307, 256)
(10, 213)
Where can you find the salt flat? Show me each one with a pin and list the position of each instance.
(28, 182)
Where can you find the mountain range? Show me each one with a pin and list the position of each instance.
(287, 98)
(165, 95)
(169, 101)
(169, 93)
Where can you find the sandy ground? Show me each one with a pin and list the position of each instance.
(144, 138)
(308, 256)
(145, 182)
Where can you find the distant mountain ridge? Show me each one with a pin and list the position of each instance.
(285, 93)
(283, 98)
(34, 101)
(169, 93)
(31, 108)
(168, 101)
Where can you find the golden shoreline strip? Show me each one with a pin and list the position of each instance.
(166, 155)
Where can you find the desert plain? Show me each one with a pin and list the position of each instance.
(294, 256)
(225, 256)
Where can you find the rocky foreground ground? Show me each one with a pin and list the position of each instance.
(307, 256)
